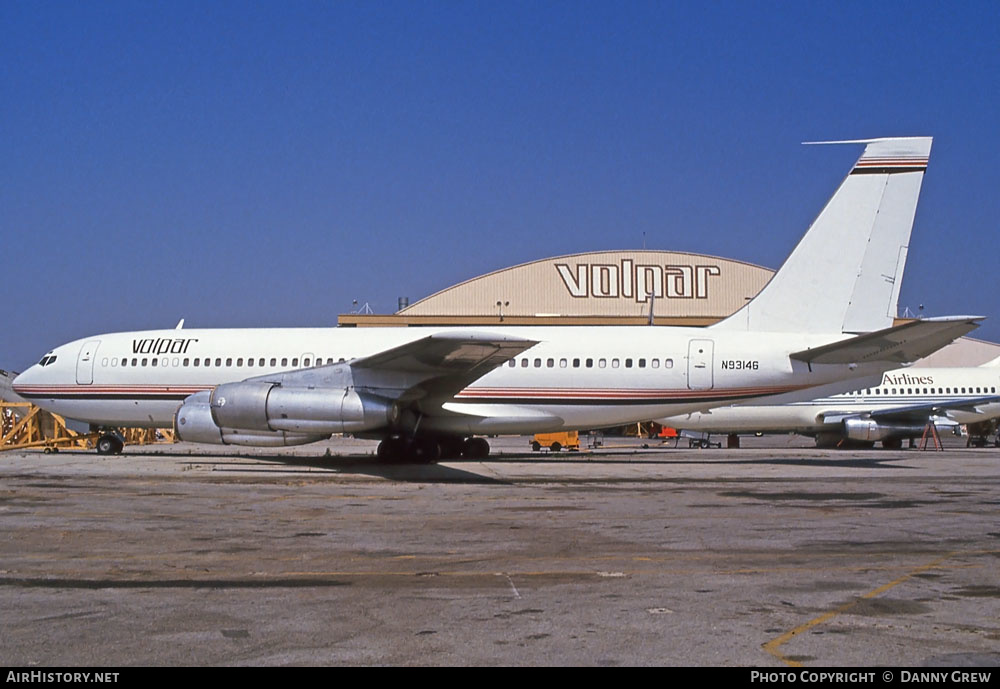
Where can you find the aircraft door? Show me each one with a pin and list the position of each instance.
(307, 360)
(701, 354)
(85, 362)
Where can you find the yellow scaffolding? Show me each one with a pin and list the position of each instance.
(24, 426)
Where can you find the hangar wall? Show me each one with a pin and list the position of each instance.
(604, 286)
(612, 287)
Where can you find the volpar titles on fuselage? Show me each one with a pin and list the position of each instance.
(162, 345)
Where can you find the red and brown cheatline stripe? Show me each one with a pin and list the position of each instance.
(108, 392)
(614, 396)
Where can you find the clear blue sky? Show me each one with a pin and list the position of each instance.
(264, 164)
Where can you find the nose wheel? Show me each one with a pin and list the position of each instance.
(110, 444)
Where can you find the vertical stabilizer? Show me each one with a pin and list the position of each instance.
(845, 273)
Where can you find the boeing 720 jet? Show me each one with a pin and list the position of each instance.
(431, 392)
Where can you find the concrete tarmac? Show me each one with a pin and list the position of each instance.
(774, 555)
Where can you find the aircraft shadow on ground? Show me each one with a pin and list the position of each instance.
(697, 458)
(450, 471)
(365, 465)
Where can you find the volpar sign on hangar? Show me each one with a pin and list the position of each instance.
(610, 284)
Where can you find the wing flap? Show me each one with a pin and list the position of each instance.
(448, 353)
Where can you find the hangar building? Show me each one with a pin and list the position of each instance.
(613, 288)
(604, 287)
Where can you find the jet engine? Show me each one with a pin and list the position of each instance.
(269, 414)
(870, 430)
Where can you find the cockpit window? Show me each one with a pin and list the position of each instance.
(47, 359)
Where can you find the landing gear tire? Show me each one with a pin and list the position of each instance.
(391, 450)
(452, 447)
(476, 448)
(424, 451)
(109, 444)
(828, 440)
(419, 450)
(892, 444)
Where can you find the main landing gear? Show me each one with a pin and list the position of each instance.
(424, 449)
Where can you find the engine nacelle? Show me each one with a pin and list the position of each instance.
(265, 406)
(193, 423)
(869, 430)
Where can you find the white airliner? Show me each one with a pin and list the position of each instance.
(899, 407)
(429, 391)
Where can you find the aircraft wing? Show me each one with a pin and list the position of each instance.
(437, 366)
(900, 344)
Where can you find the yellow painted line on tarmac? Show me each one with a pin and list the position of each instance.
(773, 645)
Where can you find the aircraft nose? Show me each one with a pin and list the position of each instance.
(21, 381)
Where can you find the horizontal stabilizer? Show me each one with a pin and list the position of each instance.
(900, 344)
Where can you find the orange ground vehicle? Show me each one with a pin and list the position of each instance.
(556, 441)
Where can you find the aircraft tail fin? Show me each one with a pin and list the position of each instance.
(844, 275)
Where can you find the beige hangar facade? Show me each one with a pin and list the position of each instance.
(613, 287)
(591, 288)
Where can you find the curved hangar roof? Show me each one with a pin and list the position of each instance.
(598, 287)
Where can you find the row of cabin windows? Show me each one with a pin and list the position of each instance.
(589, 363)
(927, 391)
(218, 362)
